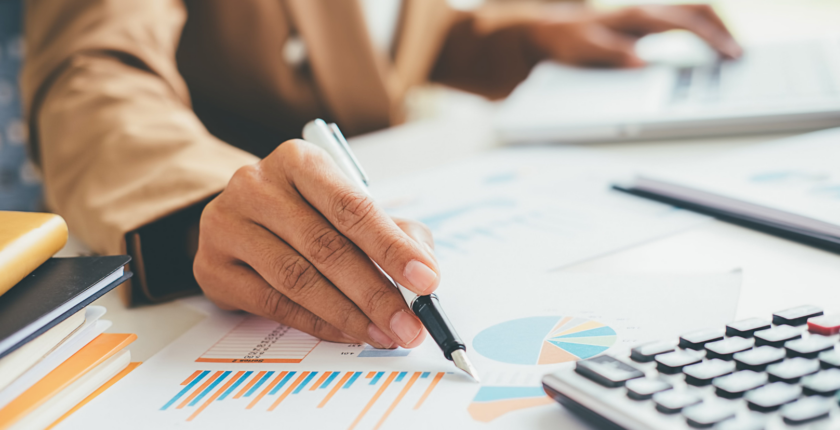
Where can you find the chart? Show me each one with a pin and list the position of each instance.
(544, 340)
(260, 340)
(492, 402)
(267, 391)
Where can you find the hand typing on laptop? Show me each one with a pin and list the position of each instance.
(582, 36)
(291, 239)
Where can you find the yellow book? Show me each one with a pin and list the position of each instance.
(27, 239)
(88, 358)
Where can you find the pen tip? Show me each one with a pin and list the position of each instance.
(459, 357)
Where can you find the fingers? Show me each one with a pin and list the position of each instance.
(355, 215)
(607, 48)
(366, 308)
(236, 286)
(699, 19)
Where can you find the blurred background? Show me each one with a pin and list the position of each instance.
(752, 21)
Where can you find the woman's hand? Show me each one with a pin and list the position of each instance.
(581, 36)
(291, 239)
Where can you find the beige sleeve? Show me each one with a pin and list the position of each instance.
(110, 119)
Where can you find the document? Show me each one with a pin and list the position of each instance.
(234, 369)
(504, 223)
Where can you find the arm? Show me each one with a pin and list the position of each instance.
(123, 155)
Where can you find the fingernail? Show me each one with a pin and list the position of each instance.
(421, 277)
(406, 327)
(380, 337)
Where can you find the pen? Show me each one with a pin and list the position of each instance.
(427, 308)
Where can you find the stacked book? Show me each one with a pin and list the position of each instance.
(54, 354)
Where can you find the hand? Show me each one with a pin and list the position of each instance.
(581, 36)
(291, 239)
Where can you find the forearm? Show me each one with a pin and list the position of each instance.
(489, 51)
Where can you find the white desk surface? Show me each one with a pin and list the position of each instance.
(777, 273)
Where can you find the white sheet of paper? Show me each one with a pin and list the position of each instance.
(512, 324)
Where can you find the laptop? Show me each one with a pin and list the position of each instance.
(688, 92)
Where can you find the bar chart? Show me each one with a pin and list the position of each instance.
(267, 391)
(260, 340)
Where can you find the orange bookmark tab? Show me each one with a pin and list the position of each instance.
(91, 355)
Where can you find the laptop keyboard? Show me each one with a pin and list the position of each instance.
(763, 74)
(753, 374)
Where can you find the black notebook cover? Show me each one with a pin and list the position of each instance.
(57, 284)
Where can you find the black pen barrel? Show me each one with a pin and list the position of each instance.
(431, 314)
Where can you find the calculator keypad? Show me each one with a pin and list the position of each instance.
(744, 377)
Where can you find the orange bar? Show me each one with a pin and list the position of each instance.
(370, 375)
(398, 399)
(216, 395)
(429, 390)
(374, 399)
(335, 389)
(243, 360)
(199, 390)
(288, 390)
(250, 384)
(267, 389)
(320, 381)
(188, 380)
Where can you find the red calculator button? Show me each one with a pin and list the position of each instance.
(825, 325)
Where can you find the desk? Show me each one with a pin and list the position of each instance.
(777, 273)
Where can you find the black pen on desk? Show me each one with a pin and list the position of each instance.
(427, 308)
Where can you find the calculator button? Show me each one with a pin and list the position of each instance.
(806, 410)
(673, 362)
(696, 339)
(825, 325)
(735, 385)
(829, 359)
(646, 353)
(771, 397)
(810, 347)
(796, 316)
(791, 370)
(825, 383)
(607, 371)
(746, 328)
(709, 413)
(672, 401)
(645, 388)
(725, 349)
(777, 336)
(757, 359)
(702, 373)
(750, 421)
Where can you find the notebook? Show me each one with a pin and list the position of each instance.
(27, 239)
(53, 292)
(789, 187)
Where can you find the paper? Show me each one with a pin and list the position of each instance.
(517, 329)
(798, 175)
(529, 209)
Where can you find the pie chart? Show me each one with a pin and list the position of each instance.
(544, 340)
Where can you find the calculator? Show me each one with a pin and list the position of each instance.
(755, 374)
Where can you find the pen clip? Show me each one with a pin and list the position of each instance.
(346, 147)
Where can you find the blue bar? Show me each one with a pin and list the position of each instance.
(400, 376)
(305, 381)
(282, 383)
(329, 380)
(352, 380)
(376, 378)
(424, 375)
(236, 384)
(260, 382)
(184, 391)
(210, 388)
